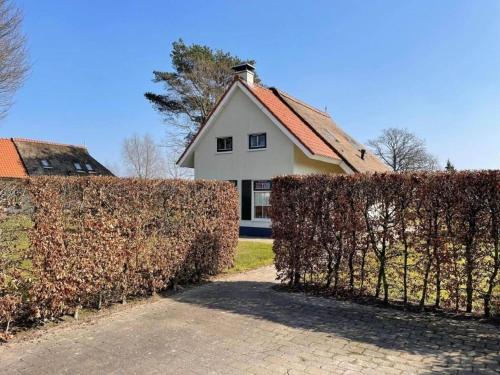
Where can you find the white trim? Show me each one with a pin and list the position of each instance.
(259, 219)
(208, 124)
(342, 164)
(273, 119)
(346, 168)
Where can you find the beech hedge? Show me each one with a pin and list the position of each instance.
(425, 239)
(68, 243)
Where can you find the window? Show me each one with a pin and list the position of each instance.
(225, 144)
(89, 167)
(78, 167)
(256, 141)
(261, 199)
(45, 164)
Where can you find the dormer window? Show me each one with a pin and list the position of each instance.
(89, 167)
(78, 167)
(45, 164)
(257, 141)
(224, 144)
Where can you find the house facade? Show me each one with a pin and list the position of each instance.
(256, 133)
(22, 158)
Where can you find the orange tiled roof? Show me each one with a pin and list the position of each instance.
(316, 130)
(292, 122)
(313, 128)
(11, 165)
(342, 143)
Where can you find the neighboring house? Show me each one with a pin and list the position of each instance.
(255, 133)
(21, 158)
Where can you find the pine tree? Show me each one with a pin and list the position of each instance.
(449, 166)
(199, 77)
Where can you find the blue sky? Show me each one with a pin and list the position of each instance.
(430, 66)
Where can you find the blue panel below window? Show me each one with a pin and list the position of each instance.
(255, 232)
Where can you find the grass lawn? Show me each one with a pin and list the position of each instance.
(251, 255)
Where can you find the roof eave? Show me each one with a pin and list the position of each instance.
(216, 110)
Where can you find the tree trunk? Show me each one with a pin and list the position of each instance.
(330, 270)
(438, 284)
(469, 268)
(351, 271)
(336, 274)
(296, 279)
(386, 288)
(405, 273)
(492, 282)
(426, 280)
(363, 261)
(380, 275)
(76, 314)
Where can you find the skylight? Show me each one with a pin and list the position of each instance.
(78, 166)
(45, 164)
(89, 167)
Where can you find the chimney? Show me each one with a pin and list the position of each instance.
(363, 152)
(245, 72)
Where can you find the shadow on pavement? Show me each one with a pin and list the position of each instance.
(457, 345)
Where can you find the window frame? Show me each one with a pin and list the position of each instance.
(48, 166)
(257, 190)
(79, 170)
(91, 169)
(250, 148)
(225, 150)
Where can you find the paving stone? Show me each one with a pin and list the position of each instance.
(241, 324)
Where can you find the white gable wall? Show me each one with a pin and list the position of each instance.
(239, 118)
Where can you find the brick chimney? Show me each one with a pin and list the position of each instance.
(245, 72)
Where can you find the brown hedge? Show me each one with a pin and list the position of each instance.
(101, 240)
(421, 239)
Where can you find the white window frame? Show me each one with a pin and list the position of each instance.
(261, 219)
(224, 151)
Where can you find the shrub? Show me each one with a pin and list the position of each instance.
(422, 238)
(96, 241)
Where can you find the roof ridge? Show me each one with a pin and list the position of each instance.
(323, 113)
(46, 142)
(20, 157)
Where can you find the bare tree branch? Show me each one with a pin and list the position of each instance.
(142, 157)
(403, 151)
(13, 65)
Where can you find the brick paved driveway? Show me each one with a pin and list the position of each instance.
(240, 325)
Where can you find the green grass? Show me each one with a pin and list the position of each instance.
(251, 255)
(14, 245)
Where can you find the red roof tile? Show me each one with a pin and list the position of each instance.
(292, 122)
(313, 128)
(11, 165)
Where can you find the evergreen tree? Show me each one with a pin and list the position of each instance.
(199, 77)
(449, 166)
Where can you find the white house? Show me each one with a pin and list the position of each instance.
(256, 133)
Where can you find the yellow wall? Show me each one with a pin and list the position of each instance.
(304, 165)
